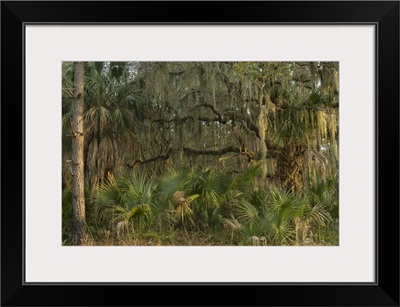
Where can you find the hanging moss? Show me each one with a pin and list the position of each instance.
(246, 105)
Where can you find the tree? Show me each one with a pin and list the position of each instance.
(111, 110)
(111, 115)
(236, 129)
(78, 195)
(282, 114)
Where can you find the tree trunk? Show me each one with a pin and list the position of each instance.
(262, 124)
(78, 179)
(290, 166)
(262, 121)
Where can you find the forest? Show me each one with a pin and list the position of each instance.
(200, 153)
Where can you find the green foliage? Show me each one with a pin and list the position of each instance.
(66, 218)
(128, 199)
(247, 213)
(326, 192)
(207, 185)
(183, 213)
(316, 99)
(172, 180)
(209, 147)
(67, 215)
(284, 208)
(285, 205)
(133, 205)
(245, 181)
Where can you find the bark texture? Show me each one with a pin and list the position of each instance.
(78, 190)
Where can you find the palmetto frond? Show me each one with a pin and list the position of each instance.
(244, 181)
(283, 202)
(254, 233)
(173, 180)
(136, 211)
(246, 212)
(283, 233)
(182, 212)
(253, 145)
(326, 192)
(205, 183)
(128, 198)
(231, 223)
(109, 122)
(319, 215)
(122, 119)
(108, 193)
(105, 198)
(284, 208)
(140, 191)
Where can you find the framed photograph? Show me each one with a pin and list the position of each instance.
(243, 150)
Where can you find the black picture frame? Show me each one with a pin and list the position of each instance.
(383, 14)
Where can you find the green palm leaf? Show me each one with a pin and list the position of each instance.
(246, 212)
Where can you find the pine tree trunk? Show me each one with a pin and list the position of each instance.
(78, 193)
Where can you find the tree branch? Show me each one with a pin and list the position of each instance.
(159, 157)
(212, 108)
(183, 119)
(248, 153)
(211, 152)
